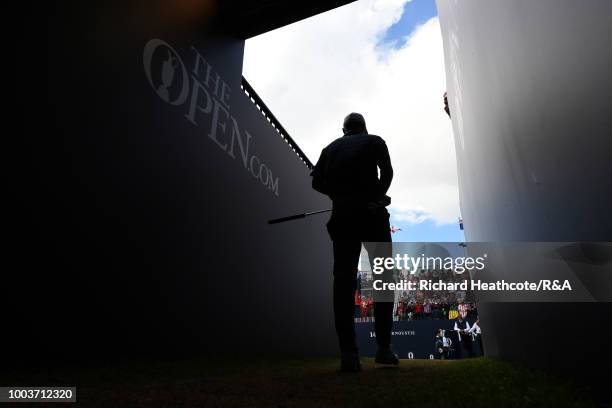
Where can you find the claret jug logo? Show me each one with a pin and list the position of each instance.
(171, 67)
(204, 95)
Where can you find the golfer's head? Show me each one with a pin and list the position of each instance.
(354, 123)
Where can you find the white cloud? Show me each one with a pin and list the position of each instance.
(312, 73)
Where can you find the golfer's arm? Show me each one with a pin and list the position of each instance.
(318, 178)
(386, 171)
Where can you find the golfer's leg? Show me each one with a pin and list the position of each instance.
(346, 258)
(383, 323)
(383, 307)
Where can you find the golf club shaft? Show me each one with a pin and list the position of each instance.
(296, 216)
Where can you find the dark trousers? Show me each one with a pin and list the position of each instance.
(466, 346)
(348, 231)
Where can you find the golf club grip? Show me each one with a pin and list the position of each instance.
(283, 219)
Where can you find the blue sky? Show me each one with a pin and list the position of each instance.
(427, 231)
(397, 85)
(417, 12)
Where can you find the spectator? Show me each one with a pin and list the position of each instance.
(463, 308)
(364, 308)
(443, 345)
(462, 327)
(370, 306)
(401, 310)
(476, 334)
(475, 329)
(357, 304)
(418, 310)
(427, 309)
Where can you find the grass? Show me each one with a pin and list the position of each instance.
(309, 382)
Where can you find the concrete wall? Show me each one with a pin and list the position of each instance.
(529, 85)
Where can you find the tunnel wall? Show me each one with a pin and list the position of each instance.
(528, 84)
(145, 179)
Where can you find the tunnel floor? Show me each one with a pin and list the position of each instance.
(311, 382)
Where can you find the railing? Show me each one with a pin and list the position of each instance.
(267, 113)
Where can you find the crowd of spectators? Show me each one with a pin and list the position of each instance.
(418, 304)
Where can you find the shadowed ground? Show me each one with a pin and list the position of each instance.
(309, 382)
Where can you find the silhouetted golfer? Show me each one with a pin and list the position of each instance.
(347, 172)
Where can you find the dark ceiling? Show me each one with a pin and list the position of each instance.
(248, 18)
